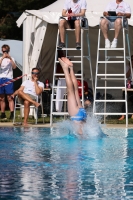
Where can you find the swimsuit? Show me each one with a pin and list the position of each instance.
(80, 116)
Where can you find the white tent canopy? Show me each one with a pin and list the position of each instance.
(52, 12)
(40, 31)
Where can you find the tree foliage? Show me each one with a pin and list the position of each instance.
(10, 11)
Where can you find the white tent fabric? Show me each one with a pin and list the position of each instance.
(95, 9)
(40, 32)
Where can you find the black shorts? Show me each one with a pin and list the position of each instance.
(72, 23)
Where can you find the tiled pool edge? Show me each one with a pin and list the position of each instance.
(10, 124)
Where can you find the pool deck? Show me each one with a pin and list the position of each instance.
(10, 124)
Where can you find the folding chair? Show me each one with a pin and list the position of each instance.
(35, 109)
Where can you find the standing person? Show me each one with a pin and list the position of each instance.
(7, 64)
(130, 94)
(122, 9)
(28, 93)
(74, 10)
(75, 109)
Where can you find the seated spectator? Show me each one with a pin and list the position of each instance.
(7, 64)
(74, 10)
(130, 94)
(28, 93)
(122, 9)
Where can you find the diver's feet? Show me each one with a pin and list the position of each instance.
(25, 124)
(121, 118)
(64, 65)
(67, 61)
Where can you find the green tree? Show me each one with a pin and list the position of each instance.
(9, 12)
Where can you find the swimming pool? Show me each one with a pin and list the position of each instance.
(40, 163)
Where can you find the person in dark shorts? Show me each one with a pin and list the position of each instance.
(74, 10)
(7, 64)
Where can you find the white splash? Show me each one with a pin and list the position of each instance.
(90, 129)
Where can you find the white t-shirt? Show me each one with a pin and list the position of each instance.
(75, 7)
(29, 87)
(122, 7)
(6, 70)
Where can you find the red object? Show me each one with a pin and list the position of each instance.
(69, 11)
(47, 83)
(85, 87)
(129, 84)
(12, 80)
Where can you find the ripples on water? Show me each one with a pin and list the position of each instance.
(56, 163)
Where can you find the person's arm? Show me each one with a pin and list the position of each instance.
(127, 15)
(80, 14)
(5, 55)
(38, 89)
(1, 60)
(64, 13)
(12, 62)
(105, 14)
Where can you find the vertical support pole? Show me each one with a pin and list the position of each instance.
(82, 64)
(124, 46)
(105, 90)
(52, 95)
(98, 46)
(89, 58)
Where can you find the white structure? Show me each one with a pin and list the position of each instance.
(40, 31)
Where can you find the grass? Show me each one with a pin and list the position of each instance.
(109, 120)
(31, 119)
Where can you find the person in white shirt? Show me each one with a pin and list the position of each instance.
(7, 64)
(74, 10)
(28, 93)
(122, 9)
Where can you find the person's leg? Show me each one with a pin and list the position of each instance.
(2, 98)
(104, 25)
(11, 102)
(117, 26)
(28, 98)
(74, 80)
(9, 90)
(2, 103)
(72, 103)
(26, 111)
(63, 24)
(77, 31)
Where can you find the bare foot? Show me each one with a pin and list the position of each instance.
(63, 64)
(132, 117)
(67, 61)
(37, 104)
(25, 124)
(121, 118)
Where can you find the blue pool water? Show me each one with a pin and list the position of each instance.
(50, 164)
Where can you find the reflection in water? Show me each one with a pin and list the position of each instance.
(43, 163)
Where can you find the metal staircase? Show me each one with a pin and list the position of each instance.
(77, 57)
(106, 77)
